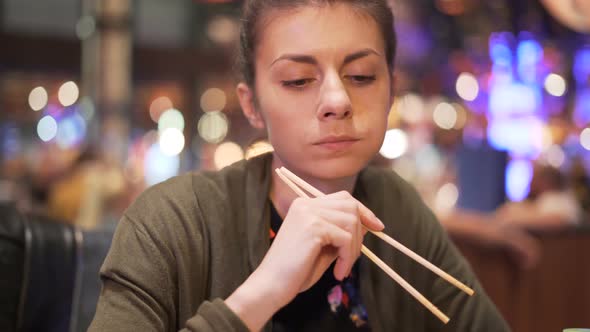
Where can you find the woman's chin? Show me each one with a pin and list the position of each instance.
(336, 168)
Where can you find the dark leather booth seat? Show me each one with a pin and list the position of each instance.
(48, 273)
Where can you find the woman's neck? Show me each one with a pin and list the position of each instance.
(282, 196)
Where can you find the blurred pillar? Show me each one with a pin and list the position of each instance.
(106, 71)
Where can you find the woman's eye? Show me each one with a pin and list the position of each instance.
(299, 83)
(361, 79)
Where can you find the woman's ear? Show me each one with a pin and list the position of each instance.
(247, 102)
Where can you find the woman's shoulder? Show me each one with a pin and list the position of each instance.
(187, 197)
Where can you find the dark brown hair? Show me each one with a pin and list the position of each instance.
(255, 10)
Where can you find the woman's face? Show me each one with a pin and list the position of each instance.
(323, 89)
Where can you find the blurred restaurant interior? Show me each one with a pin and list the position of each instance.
(100, 99)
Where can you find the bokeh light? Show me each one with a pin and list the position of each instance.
(47, 128)
(446, 198)
(518, 178)
(555, 85)
(159, 106)
(555, 156)
(38, 98)
(223, 30)
(85, 27)
(158, 166)
(445, 116)
(411, 108)
(171, 118)
(71, 130)
(68, 93)
(213, 127)
(523, 136)
(171, 141)
(585, 138)
(467, 86)
(395, 144)
(226, 154)
(213, 99)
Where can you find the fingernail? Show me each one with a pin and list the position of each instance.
(380, 223)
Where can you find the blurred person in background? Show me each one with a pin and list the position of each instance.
(550, 204)
(85, 195)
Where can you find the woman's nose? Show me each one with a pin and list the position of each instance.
(335, 102)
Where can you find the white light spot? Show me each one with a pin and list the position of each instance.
(445, 116)
(585, 138)
(411, 108)
(555, 85)
(68, 93)
(38, 98)
(171, 141)
(47, 128)
(226, 154)
(395, 144)
(446, 198)
(172, 118)
(213, 127)
(467, 86)
(555, 156)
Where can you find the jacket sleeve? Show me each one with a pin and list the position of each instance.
(140, 293)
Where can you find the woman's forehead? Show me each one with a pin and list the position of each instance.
(317, 30)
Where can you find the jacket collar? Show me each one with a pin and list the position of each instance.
(256, 192)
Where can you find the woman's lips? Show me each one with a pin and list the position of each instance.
(336, 143)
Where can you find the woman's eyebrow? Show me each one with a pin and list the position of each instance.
(360, 54)
(302, 58)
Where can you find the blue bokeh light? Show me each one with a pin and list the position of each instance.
(581, 67)
(520, 136)
(529, 55)
(513, 99)
(518, 178)
(158, 166)
(500, 51)
(582, 107)
(71, 130)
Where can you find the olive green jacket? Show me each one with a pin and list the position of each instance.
(188, 243)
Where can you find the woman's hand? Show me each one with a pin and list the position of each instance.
(314, 233)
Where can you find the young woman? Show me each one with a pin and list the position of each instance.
(199, 252)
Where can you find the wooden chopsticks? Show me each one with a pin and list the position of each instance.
(293, 181)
